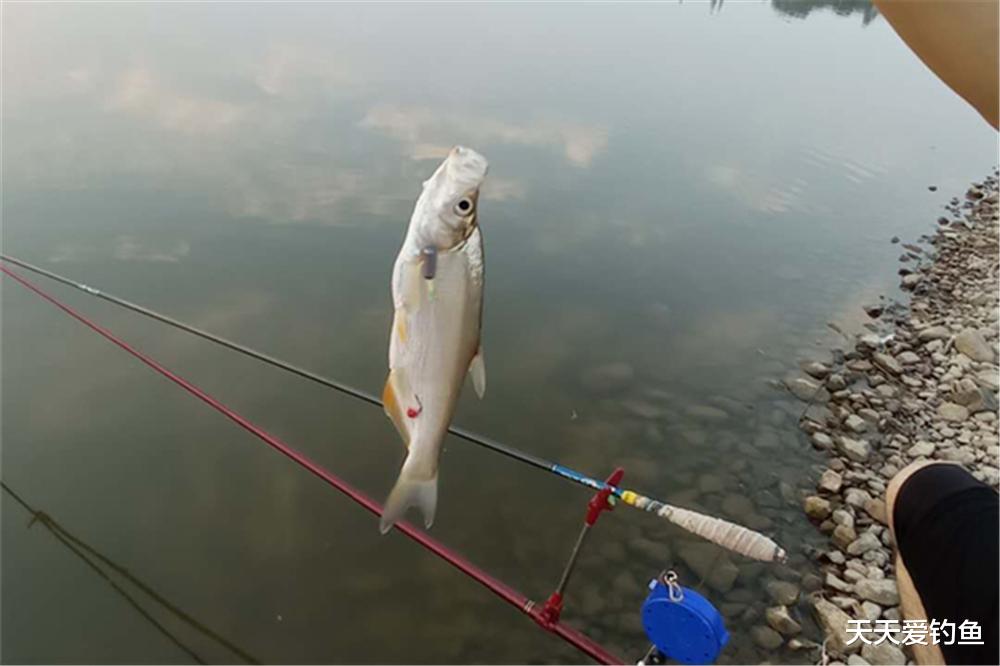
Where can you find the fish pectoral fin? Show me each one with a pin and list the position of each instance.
(477, 368)
(396, 390)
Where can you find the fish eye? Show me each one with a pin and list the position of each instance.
(464, 206)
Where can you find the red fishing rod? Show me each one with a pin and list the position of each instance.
(494, 585)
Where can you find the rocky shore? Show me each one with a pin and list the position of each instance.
(919, 384)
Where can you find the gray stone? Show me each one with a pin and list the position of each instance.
(835, 583)
(989, 378)
(835, 624)
(843, 517)
(863, 544)
(765, 637)
(830, 481)
(821, 440)
(882, 591)
(961, 456)
(801, 644)
(867, 340)
(883, 653)
(856, 424)
(972, 343)
(819, 413)
(782, 592)
(779, 620)
(856, 660)
(921, 449)
(908, 358)
(876, 509)
(857, 450)
(949, 411)
(856, 497)
(836, 556)
(911, 281)
(836, 382)
(871, 610)
(868, 414)
(887, 363)
(934, 333)
(843, 536)
(851, 576)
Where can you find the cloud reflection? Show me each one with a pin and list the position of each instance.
(138, 92)
(428, 133)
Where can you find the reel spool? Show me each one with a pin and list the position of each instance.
(681, 623)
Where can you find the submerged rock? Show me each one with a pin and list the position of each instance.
(815, 369)
(766, 637)
(782, 592)
(608, 378)
(802, 388)
(712, 564)
(816, 507)
(706, 412)
(642, 409)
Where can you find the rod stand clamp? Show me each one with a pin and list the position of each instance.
(603, 500)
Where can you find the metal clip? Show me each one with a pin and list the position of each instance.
(674, 590)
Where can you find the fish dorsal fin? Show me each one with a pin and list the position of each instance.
(396, 399)
(477, 368)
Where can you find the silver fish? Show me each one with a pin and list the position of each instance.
(437, 292)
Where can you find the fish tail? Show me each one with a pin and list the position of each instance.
(410, 490)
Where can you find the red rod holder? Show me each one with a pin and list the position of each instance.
(599, 503)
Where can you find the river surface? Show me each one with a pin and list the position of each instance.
(687, 191)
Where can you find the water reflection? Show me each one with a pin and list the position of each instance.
(803, 8)
(670, 192)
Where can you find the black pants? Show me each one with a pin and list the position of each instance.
(947, 528)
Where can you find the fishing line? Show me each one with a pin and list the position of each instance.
(494, 585)
(729, 535)
(85, 552)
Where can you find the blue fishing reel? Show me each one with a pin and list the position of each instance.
(682, 624)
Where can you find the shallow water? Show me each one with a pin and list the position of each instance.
(692, 190)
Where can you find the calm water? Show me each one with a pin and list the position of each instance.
(693, 190)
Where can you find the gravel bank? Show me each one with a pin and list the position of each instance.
(921, 383)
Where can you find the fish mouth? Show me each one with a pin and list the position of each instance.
(466, 168)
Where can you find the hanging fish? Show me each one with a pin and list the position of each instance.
(437, 292)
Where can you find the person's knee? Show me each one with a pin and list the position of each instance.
(896, 483)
